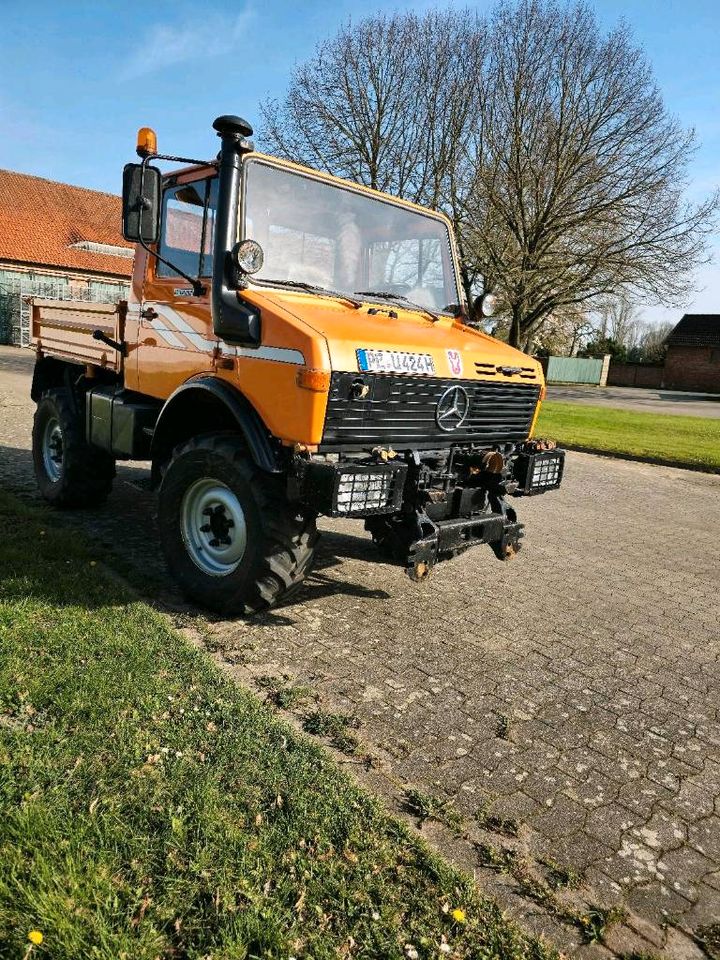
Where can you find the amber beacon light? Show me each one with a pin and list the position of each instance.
(146, 142)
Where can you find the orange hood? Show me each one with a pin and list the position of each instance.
(457, 350)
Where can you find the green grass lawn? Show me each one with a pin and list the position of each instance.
(688, 441)
(151, 809)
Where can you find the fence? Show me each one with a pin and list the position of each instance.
(15, 308)
(636, 374)
(577, 370)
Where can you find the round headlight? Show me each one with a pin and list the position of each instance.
(248, 256)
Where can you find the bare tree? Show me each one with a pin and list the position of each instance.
(651, 346)
(546, 142)
(391, 102)
(618, 319)
(582, 171)
(386, 103)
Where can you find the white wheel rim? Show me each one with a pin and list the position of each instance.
(52, 449)
(213, 527)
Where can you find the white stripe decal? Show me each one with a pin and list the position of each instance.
(167, 335)
(278, 354)
(174, 320)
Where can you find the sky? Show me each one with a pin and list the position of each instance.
(77, 79)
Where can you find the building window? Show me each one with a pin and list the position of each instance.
(188, 226)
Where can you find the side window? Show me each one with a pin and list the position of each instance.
(188, 227)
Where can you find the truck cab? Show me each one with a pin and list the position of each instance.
(293, 345)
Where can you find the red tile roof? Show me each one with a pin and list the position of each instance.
(40, 219)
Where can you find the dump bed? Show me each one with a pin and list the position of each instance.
(64, 328)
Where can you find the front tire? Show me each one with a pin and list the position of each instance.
(230, 537)
(69, 472)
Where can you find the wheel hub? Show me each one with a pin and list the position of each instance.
(213, 527)
(52, 449)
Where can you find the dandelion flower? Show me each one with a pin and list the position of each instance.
(458, 915)
(35, 937)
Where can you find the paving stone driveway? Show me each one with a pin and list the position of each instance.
(574, 690)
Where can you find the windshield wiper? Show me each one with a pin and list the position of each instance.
(312, 288)
(396, 298)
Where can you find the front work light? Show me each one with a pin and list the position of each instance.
(146, 142)
(248, 256)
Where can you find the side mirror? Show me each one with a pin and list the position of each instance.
(141, 203)
(485, 305)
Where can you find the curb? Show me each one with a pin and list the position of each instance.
(637, 458)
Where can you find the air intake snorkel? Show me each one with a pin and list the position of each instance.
(234, 320)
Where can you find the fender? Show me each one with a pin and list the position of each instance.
(237, 409)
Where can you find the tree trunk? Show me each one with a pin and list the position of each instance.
(514, 333)
(467, 287)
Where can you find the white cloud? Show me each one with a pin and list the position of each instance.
(168, 44)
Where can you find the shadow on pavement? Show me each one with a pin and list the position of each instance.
(124, 534)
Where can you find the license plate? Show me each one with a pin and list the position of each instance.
(394, 361)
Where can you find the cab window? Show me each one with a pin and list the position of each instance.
(188, 228)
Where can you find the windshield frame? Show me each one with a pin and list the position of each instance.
(294, 168)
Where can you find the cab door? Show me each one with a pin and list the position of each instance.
(175, 336)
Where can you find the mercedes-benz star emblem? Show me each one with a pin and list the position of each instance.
(452, 408)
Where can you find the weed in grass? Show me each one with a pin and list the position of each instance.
(508, 826)
(592, 922)
(289, 698)
(502, 731)
(336, 727)
(424, 806)
(497, 858)
(709, 937)
(596, 921)
(560, 877)
(284, 695)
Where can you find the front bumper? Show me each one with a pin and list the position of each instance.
(410, 522)
(446, 538)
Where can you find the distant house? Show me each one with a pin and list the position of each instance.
(57, 241)
(693, 357)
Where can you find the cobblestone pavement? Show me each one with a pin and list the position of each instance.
(569, 697)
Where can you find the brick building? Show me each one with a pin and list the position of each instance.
(693, 357)
(57, 241)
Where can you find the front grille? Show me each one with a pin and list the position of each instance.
(401, 411)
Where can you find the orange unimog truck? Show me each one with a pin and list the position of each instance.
(293, 345)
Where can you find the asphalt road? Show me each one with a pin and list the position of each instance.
(574, 691)
(640, 399)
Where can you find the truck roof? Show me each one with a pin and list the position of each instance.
(211, 165)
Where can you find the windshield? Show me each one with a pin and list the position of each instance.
(316, 233)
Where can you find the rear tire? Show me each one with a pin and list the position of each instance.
(69, 472)
(230, 537)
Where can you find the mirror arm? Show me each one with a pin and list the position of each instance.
(198, 288)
